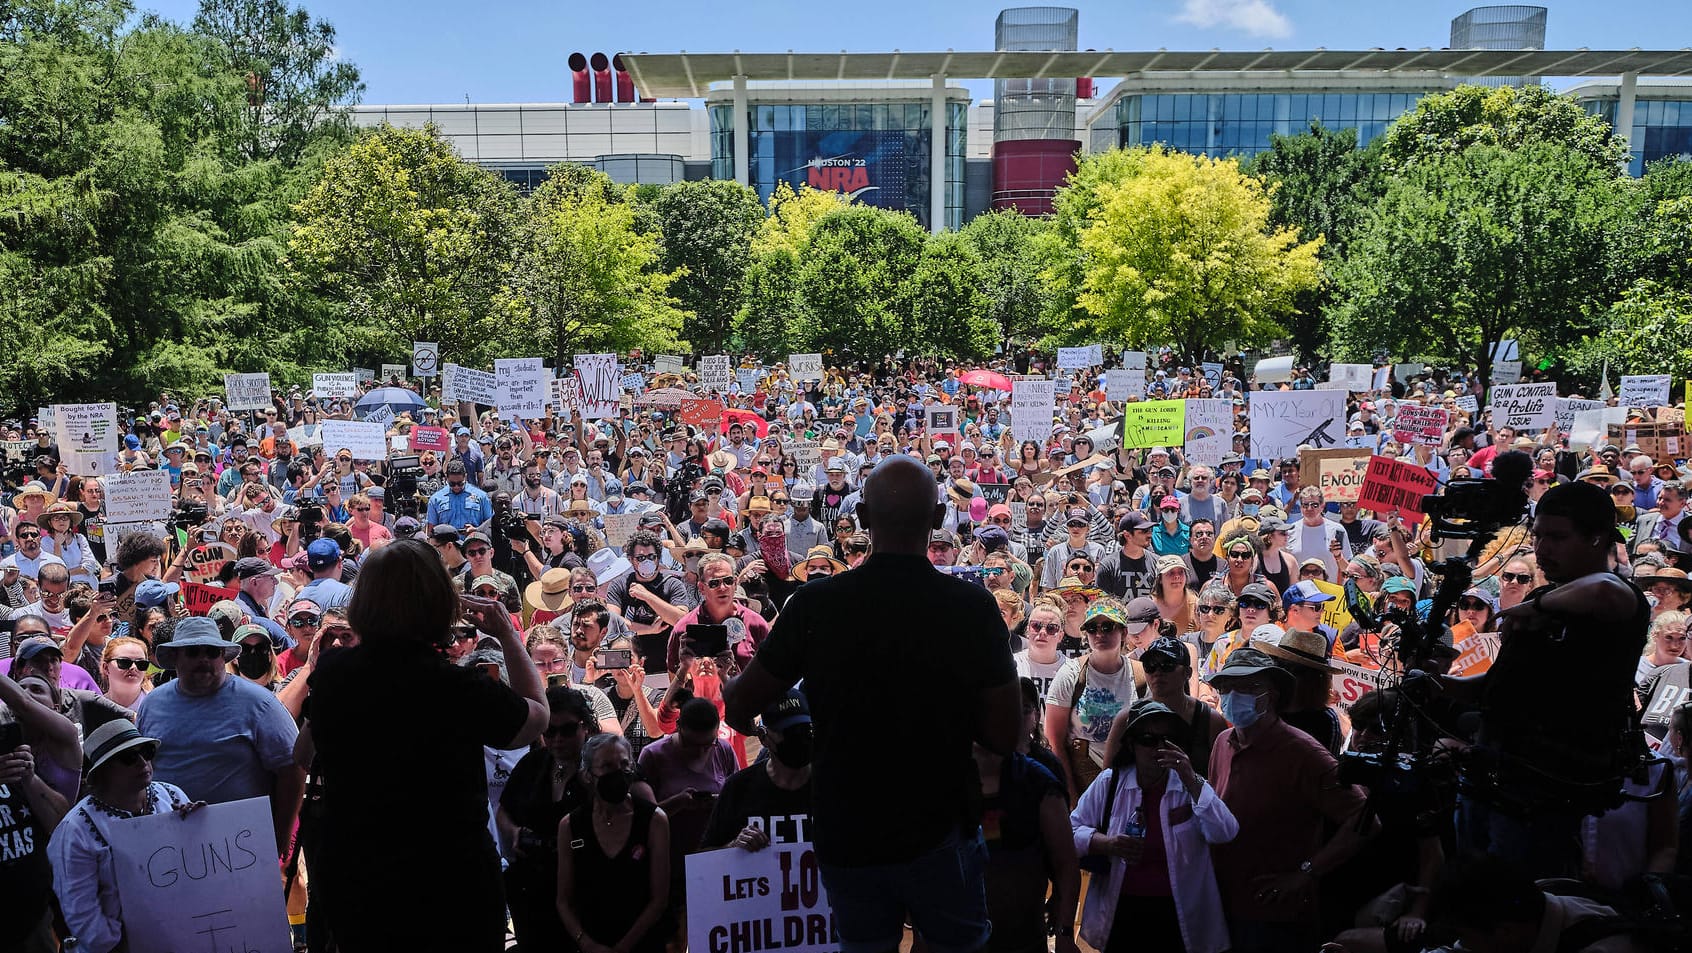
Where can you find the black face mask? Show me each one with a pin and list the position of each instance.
(794, 750)
(613, 788)
(253, 663)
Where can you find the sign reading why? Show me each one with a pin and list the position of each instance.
(1418, 424)
(1395, 485)
(597, 377)
(367, 440)
(335, 385)
(1284, 420)
(1031, 410)
(520, 386)
(1529, 408)
(767, 900)
(204, 882)
(1644, 390)
(139, 496)
(246, 391)
(1210, 430)
(1154, 423)
(467, 383)
(805, 367)
(1338, 473)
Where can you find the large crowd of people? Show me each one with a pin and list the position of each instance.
(1020, 694)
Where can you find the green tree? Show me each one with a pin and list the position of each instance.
(1473, 247)
(1648, 331)
(767, 321)
(1321, 184)
(1075, 207)
(708, 228)
(410, 242)
(297, 89)
(588, 278)
(855, 284)
(1009, 246)
(1510, 117)
(949, 308)
(1179, 251)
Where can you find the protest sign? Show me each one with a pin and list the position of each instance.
(206, 881)
(1353, 377)
(1475, 654)
(393, 372)
(1404, 372)
(1657, 439)
(199, 597)
(335, 385)
(16, 450)
(596, 377)
(941, 423)
(1418, 424)
(1568, 407)
(1528, 408)
(383, 415)
(425, 358)
(1507, 372)
(1019, 517)
(468, 384)
(1031, 410)
(1395, 485)
(1209, 430)
(86, 428)
(520, 386)
(1154, 423)
(44, 417)
(1122, 383)
(634, 383)
(668, 364)
(206, 562)
(619, 526)
(707, 415)
(564, 396)
(806, 453)
(1644, 390)
(1337, 473)
(246, 391)
(1212, 373)
(1336, 614)
(1135, 361)
(1592, 426)
(1273, 370)
(1074, 358)
(1381, 381)
(803, 368)
(430, 438)
(364, 374)
(994, 493)
(138, 497)
(1354, 681)
(1283, 421)
(366, 440)
(714, 372)
(1469, 404)
(747, 378)
(1504, 350)
(770, 900)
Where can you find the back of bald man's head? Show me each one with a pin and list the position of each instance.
(900, 501)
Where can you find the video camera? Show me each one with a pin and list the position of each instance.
(404, 470)
(188, 515)
(1472, 509)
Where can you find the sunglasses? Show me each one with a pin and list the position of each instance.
(463, 635)
(1517, 577)
(1161, 668)
(131, 757)
(201, 651)
(1099, 628)
(1045, 627)
(125, 664)
(477, 551)
(1239, 555)
(361, 509)
(29, 535)
(1471, 605)
(584, 587)
(778, 499)
(720, 583)
(1213, 610)
(1256, 605)
(303, 620)
(568, 728)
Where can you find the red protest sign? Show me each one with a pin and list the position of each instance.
(200, 597)
(705, 414)
(430, 438)
(1418, 424)
(1353, 681)
(1395, 485)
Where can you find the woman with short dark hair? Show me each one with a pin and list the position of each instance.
(366, 698)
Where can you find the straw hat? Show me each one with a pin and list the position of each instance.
(59, 509)
(551, 591)
(802, 571)
(34, 488)
(1308, 649)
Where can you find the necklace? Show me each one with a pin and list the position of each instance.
(149, 806)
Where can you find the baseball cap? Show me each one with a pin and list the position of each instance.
(1077, 516)
(251, 566)
(1141, 612)
(1261, 591)
(1132, 521)
(1305, 593)
(1169, 503)
(943, 536)
(790, 711)
(405, 527)
(322, 553)
(1401, 583)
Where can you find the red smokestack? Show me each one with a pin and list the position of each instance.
(601, 78)
(625, 82)
(581, 86)
(1084, 88)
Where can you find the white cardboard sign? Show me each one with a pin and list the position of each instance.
(367, 440)
(596, 376)
(1031, 410)
(1528, 408)
(520, 386)
(335, 385)
(805, 367)
(139, 496)
(246, 391)
(467, 383)
(1283, 421)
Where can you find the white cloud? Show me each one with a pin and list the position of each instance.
(1256, 17)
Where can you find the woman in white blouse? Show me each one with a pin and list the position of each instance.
(120, 786)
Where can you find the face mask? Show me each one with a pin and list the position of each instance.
(1249, 509)
(613, 788)
(1169, 517)
(647, 567)
(253, 663)
(1241, 710)
(794, 750)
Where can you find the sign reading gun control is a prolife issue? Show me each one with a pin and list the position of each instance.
(741, 901)
(204, 882)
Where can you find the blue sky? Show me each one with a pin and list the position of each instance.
(434, 51)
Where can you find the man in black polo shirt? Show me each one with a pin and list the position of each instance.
(896, 826)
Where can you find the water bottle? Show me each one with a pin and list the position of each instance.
(1136, 824)
(71, 945)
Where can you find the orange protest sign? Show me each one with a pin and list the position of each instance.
(1395, 485)
(200, 598)
(1475, 654)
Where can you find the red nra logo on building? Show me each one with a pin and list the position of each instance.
(848, 174)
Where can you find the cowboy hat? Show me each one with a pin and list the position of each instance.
(550, 592)
(608, 564)
(802, 572)
(34, 488)
(1299, 647)
(60, 509)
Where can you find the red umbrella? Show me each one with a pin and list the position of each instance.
(982, 377)
(748, 418)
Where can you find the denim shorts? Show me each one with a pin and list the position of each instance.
(942, 893)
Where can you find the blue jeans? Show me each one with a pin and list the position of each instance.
(942, 892)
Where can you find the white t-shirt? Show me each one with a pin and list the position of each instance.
(59, 621)
(1041, 672)
(1105, 695)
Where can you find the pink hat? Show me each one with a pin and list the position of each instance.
(1169, 503)
(977, 509)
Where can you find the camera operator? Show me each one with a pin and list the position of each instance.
(1580, 637)
(512, 537)
(557, 549)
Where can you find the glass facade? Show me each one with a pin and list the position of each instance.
(1239, 124)
(878, 153)
(1662, 129)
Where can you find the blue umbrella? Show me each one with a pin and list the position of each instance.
(397, 399)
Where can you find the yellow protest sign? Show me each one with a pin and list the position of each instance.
(1154, 423)
(1335, 613)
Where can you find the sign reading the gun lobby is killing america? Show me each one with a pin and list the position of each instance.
(1154, 423)
(769, 900)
